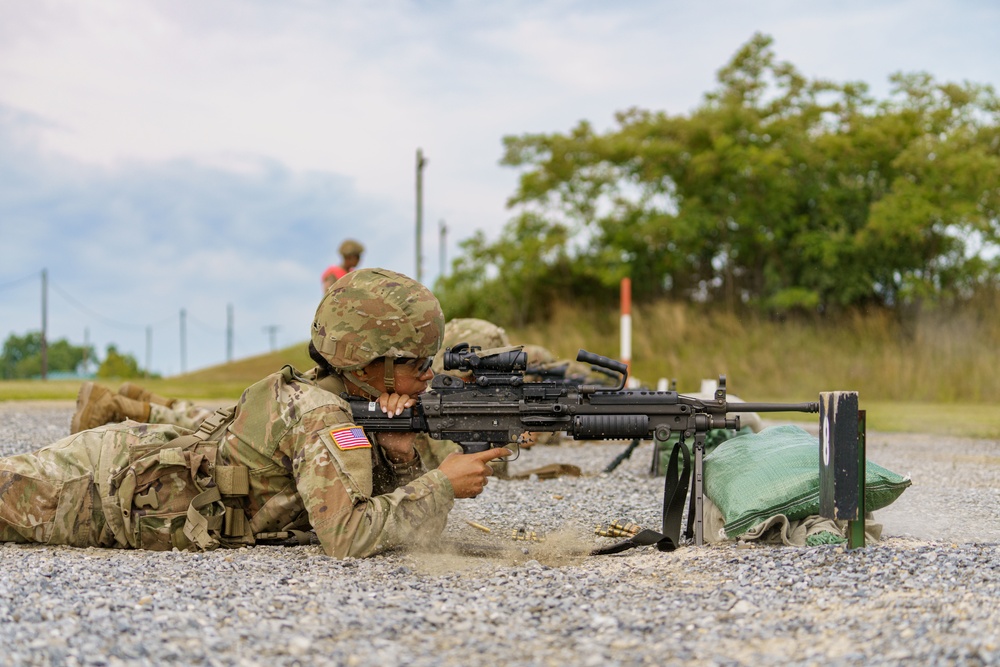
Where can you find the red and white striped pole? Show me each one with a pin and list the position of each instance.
(626, 328)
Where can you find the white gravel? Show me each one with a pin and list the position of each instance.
(928, 593)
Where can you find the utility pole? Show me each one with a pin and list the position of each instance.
(421, 162)
(149, 350)
(86, 351)
(229, 333)
(183, 340)
(442, 246)
(271, 331)
(45, 323)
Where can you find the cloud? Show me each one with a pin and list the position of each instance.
(160, 155)
(131, 245)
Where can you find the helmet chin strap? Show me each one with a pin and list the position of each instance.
(389, 377)
(370, 391)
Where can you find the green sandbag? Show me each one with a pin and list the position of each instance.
(716, 436)
(752, 477)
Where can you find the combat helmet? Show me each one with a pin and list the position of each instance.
(373, 313)
(475, 332)
(538, 355)
(351, 247)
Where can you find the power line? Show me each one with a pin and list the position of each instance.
(202, 325)
(92, 313)
(19, 281)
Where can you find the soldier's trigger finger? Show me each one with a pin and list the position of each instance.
(491, 454)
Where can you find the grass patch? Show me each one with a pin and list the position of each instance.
(948, 419)
(937, 378)
(218, 383)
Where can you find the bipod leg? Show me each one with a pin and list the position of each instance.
(617, 461)
(699, 489)
(696, 507)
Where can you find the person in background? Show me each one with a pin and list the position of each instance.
(350, 251)
(97, 405)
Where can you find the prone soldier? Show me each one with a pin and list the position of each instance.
(286, 459)
(97, 405)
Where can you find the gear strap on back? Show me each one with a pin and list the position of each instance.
(675, 492)
(209, 429)
(231, 482)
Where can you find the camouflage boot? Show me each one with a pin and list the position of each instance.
(97, 406)
(137, 393)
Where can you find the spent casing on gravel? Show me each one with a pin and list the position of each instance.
(927, 592)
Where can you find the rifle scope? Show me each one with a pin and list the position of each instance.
(462, 357)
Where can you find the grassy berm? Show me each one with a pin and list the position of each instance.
(935, 375)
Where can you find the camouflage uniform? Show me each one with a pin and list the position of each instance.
(180, 413)
(97, 405)
(279, 465)
(475, 332)
(538, 355)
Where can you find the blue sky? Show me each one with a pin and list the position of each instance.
(159, 156)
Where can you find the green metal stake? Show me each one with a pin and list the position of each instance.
(856, 528)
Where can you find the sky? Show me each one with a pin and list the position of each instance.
(205, 157)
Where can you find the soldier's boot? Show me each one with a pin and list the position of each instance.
(97, 406)
(137, 393)
(132, 409)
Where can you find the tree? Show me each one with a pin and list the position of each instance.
(944, 198)
(778, 191)
(118, 365)
(22, 356)
(510, 279)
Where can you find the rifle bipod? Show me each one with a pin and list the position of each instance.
(675, 493)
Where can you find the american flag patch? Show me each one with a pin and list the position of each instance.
(350, 437)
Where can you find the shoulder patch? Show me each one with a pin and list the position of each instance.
(350, 437)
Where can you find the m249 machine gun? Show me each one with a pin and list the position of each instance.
(496, 405)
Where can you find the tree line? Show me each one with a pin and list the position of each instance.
(778, 193)
(21, 358)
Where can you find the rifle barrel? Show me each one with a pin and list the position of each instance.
(772, 407)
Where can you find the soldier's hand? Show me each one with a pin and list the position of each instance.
(393, 404)
(468, 472)
(398, 447)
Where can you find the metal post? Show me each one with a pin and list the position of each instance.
(183, 340)
(442, 249)
(149, 351)
(45, 324)
(421, 162)
(842, 462)
(86, 351)
(229, 333)
(856, 528)
(271, 331)
(699, 489)
(626, 322)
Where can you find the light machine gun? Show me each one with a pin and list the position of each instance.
(497, 405)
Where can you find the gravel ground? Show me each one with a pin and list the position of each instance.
(929, 592)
